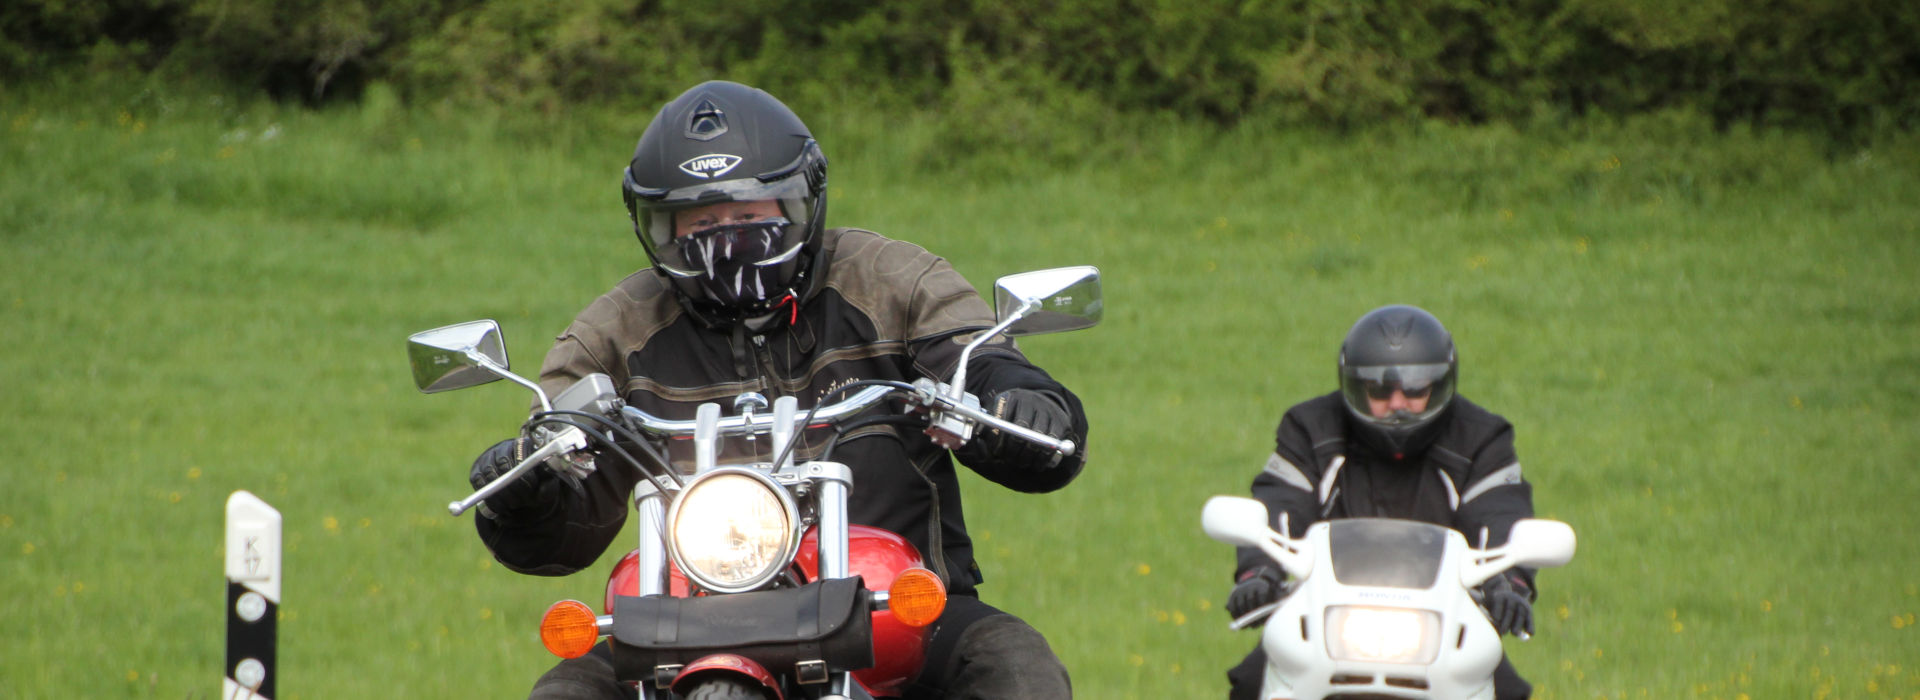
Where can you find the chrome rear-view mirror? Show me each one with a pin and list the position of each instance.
(1049, 301)
(457, 356)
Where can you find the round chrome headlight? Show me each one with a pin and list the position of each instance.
(732, 530)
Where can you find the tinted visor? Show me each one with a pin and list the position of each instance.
(1366, 385)
(653, 210)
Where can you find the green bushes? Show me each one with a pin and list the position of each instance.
(1842, 66)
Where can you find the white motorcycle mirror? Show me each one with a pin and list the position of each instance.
(1242, 522)
(460, 356)
(1533, 543)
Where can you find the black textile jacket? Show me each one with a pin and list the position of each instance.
(1468, 479)
(884, 309)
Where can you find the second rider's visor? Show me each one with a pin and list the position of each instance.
(1363, 386)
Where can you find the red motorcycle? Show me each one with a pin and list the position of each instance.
(748, 581)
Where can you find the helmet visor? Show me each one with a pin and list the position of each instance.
(654, 211)
(1397, 394)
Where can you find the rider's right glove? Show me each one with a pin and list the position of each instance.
(532, 496)
(1039, 410)
(1509, 602)
(1258, 586)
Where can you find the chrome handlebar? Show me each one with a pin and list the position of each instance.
(925, 393)
(755, 423)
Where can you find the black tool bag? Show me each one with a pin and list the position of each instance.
(829, 620)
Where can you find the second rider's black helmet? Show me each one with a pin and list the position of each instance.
(1404, 349)
(724, 142)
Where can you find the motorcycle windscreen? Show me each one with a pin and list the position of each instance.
(1386, 553)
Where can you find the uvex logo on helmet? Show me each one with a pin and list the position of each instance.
(711, 165)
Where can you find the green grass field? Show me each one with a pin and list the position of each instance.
(1706, 340)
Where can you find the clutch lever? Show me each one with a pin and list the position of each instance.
(564, 441)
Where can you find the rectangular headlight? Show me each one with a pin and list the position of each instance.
(1383, 635)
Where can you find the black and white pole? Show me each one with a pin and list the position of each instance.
(253, 596)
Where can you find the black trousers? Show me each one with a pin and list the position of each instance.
(1244, 679)
(974, 651)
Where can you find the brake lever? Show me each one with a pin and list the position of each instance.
(1255, 617)
(563, 442)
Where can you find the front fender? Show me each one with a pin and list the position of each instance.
(727, 664)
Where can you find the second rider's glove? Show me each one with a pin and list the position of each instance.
(1038, 410)
(533, 495)
(1509, 602)
(1258, 586)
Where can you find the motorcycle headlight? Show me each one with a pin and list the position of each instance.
(732, 530)
(1383, 635)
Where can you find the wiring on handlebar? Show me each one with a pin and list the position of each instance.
(824, 400)
(611, 445)
(663, 467)
(839, 431)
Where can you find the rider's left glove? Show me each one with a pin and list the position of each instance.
(1038, 410)
(1509, 602)
(530, 497)
(1258, 586)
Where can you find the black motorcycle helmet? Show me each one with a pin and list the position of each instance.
(727, 142)
(1399, 348)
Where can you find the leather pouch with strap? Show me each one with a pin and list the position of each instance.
(829, 620)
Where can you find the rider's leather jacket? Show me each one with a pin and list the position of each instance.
(1468, 479)
(882, 309)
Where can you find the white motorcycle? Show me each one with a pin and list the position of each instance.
(1380, 608)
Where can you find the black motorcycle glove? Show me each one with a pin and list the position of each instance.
(1038, 410)
(1509, 602)
(533, 495)
(1258, 586)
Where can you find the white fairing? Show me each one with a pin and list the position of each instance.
(1384, 620)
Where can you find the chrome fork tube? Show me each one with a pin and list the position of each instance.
(651, 505)
(651, 565)
(832, 482)
(833, 528)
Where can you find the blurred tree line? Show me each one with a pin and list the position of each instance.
(1839, 66)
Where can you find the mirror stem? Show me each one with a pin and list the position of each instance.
(959, 385)
(490, 366)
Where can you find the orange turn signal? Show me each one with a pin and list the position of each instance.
(916, 597)
(569, 629)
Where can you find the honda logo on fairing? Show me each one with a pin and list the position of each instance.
(711, 165)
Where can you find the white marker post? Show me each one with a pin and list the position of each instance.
(253, 596)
